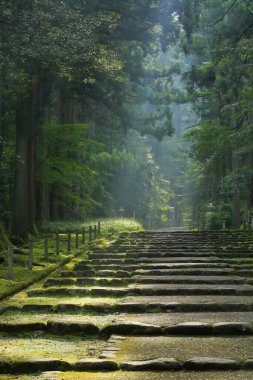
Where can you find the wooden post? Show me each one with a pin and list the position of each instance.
(69, 241)
(99, 228)
(77, 239)
(46, 247)
(10, 262)
(90, 233)
(57, 244)
(95, 231)
(30, 262)
(83, 235)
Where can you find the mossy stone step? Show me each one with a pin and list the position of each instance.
(32, 366)
(188, 280)
(154, 289)
(238, 348)
(78, 291)
(97, 273)
(171, 319)
(102, 368)
(187, 272)
(86, 281)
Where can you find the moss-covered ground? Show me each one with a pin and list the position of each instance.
(23, 277)
(31, 346)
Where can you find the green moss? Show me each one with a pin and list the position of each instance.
(35, 345)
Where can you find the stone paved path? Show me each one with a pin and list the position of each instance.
(179, 304)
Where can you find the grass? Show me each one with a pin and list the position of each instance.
(108, 225)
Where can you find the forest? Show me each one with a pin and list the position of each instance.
(112, 108)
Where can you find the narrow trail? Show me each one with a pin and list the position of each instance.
(177, 303)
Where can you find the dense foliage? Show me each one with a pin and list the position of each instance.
(90, 92)
(71, 75)
(219, 39)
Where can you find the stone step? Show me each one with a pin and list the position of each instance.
(187, 272)
(96, 264)
(154, 289)
(130, 307)
(205, 289)
(171, 319)
(147, 254)
(100, 273)
(147, 266)
(87, 281)
(130, 328)
(183, 348)
(188, 280)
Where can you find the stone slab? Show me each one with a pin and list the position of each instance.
(188, 279)
(165, 364)
(188, 299)
(96, 365)
(169, 319)
(184, 348)
(208, 363)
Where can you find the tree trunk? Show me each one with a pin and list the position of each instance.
(66, 112)
(20, 202)
(24, 188)
(236, 195)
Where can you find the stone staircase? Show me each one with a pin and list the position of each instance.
(179, 304)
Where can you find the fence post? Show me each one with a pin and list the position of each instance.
(46, 247)
(90, 233)
(69, 241)
(30, 262)
(99, 228)
(10, 262)
(57, 243)
(77, 239)
(95, 231)
(83, 235)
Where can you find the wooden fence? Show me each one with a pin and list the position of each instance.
(73, 241)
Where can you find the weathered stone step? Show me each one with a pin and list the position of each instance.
(156, 278)
(127, 269)
(162, 264)
(188, 280)
(130, 328)
(191, 289)
(154, 289)
(51, 327)
(99, 273)
(102, 368)
(79, 292)
(87, 281)
(132, 307)
(170, 319)
(147, 254)
(183, 348)
(186, 272)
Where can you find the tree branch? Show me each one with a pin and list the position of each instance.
(223, 15)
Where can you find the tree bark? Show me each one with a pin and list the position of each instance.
(20, 185)
(24, 187)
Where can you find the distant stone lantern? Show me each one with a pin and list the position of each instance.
(224, 221)
(121, 211)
